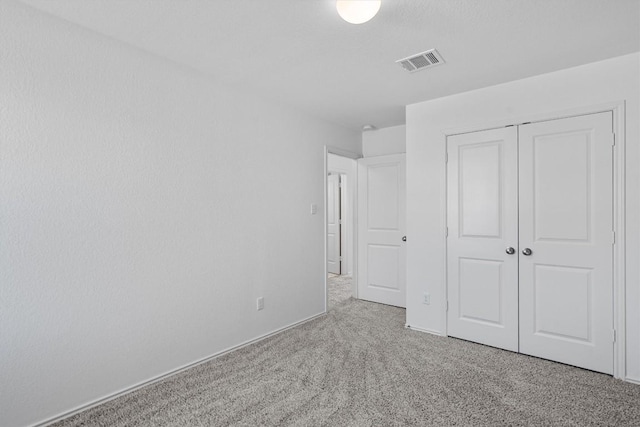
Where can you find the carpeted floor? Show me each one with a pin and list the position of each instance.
(339, 289)
(359, 366)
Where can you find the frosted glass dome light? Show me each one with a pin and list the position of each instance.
(357, 11)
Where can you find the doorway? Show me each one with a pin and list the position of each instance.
(530, 239)
(340, 219)
(336, 223)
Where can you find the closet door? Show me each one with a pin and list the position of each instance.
(482, 220)
(566, 239)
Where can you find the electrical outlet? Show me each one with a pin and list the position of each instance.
(260, 304)
(314, 209)
(426, 298)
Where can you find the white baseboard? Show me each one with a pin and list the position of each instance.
(428, 331)
(632, 380)
(161, 377)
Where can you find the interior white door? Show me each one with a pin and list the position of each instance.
(482, 221)
(566, 221)
(333, 224)
(381, 228)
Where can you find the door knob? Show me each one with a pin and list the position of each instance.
(510, 250)
(404, 238)
(527, 251)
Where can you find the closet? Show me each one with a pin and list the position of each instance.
(530, 239)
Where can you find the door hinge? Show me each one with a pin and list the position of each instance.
(613, 139)
(614, 335)
(613, 237)
(446, 157)
(446, 232)
(447, 309)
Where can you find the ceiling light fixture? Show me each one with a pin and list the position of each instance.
(357, 11)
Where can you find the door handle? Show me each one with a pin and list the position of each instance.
(404, 238)
(510, 250)
(527, 251)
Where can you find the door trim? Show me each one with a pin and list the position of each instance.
(329, 149)
(617, 108)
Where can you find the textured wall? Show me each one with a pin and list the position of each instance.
(588, 86)
(143, 209)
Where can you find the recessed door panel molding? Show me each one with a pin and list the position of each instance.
(481, 286)
(563, 303)
(480, 175)
(384, 266)
(383, 196)
(482, 218)
(566, 221)
(562, 172)
(381, 228)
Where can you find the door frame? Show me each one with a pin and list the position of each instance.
(617, 108)
(353, 182)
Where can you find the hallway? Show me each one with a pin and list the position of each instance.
(340, 289)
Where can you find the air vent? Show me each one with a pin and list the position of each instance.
(423, 60)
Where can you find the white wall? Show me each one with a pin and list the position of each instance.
(427, 122)
(380, 142)
(347, 167)
(143, 209)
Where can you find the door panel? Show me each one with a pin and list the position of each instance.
(333, 224)
(562, 311)
(381, 222)
(479, 186)
(566, 199)
(482, 222)
(480, 289)
(384, 264)
(383, 194)
(561, 185)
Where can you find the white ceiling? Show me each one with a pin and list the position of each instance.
(301, 53)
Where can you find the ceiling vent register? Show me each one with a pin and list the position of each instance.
(423, 60)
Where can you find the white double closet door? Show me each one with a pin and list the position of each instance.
(530, 239)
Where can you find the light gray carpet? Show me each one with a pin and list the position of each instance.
(339, 289)
(359, 366)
